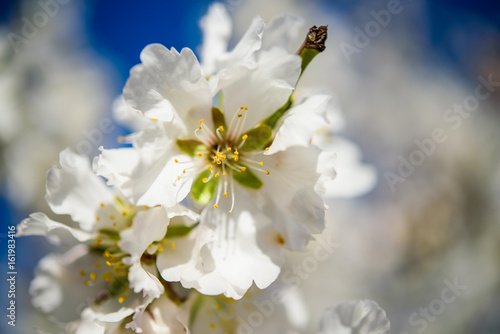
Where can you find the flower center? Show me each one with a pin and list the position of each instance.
(224, 155)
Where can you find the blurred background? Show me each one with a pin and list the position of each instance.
(431, 220)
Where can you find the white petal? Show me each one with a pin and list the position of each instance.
(135, 324)
(168, 83)
(300, 123)
(357, 316)
(130, 117)
(291, 185)
(155, 180)
(39, 224)
(262, 89)
(88, 325)
(164, 317)
(148, 226)
(217, 27)
(354, 178)
(117, 165)
(75, 190)
(243, 54)
(182, 262)
(282, 31)
(58, 287)
(235, 259)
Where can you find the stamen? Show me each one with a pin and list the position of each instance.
(232, 194)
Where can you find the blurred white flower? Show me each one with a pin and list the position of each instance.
(357, 316)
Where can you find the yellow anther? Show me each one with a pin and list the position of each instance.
(199, 128)
(172, 245)
(93, 276)
(114, 224)
(236, 159)
(240, 115)
(229, 149)
(230, 211)
(178, 178)
(111, 217)
(107, 254)
(184, 171)
(225, 194)
(82, 273)
(154, 119)
(244, 137)
(267, 149)
(216, 175)
(223, 156)
(165, 242)
(221, 128)
(86, 282)
(200, 154)
(97, 218)
(107, 278)
(210, 167)
(212, 326)
(215, 206)
(261, 164)
(122, 299)
(205, 179)
(236, 152)
(108, 263)
(224, 174)
(102, 205)
(267, 172)
(201, 121)
(246, 108)
(218, 307)
(160, 249)
(243, 169)
(124, 213)
(176, 161)
(97, 265)
(219, 162)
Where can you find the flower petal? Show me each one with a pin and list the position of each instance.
(75, 190)
(359, 316)
(168, 83)
(148, 226)
(236, 259)
(181, 261)
(262, 89)
(39, 224)
(130, 117)
(300, 123)
(291, 185)
(281, 31)
(354, 177)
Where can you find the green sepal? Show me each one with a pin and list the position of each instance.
(247, 179)
(204, 192)
(191, 146)
(117, 286)
(219, 120)
(177, 231)
(257, 139)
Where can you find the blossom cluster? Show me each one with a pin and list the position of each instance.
(227, 169)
